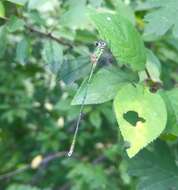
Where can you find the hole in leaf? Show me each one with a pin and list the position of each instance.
(132, 117)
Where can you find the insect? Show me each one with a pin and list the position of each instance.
(100, 46)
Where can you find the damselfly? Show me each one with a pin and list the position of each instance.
(71, 71)
(94, 60)
(74, 69)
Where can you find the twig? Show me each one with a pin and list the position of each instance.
(15, 172)
(45, 161)
(43, 34)
(48, 35)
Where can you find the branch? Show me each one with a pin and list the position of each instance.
(15, 172)
(43, 34)
(48, 35)
(45, 161)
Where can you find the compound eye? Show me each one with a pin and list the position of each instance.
(96, 44)
(103, 44)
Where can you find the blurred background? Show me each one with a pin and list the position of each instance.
(45, 49)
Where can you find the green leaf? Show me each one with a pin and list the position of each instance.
(147, 5)
(3, 40)
(23, 51)
(173, 97)
(33, 4)
(75, 17)
(103, 87)
(96, 3)
(141, 116)
(157, 169)
(122, 38)
(153, 67)
(160, 20)
(125, 11)
(19, 2)
(172, 125)
(2, 10)
(15, 24)
(53, 55)
(95, 119)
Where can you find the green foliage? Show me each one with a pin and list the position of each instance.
(45, 60)
(23, 187)
(163, 18)
(90, 176)
(15, 24)
(157, 169)
(151, 112)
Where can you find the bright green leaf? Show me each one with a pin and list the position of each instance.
(103, 87)
(156, 169)
(122, 38)
(2, 10)
(19, 2)
(125, 11)
(141, 116)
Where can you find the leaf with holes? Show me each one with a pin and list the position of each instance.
(141, 116)
(122, 37)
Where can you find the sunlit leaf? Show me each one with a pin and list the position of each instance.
(2, 10)
(141, 116)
